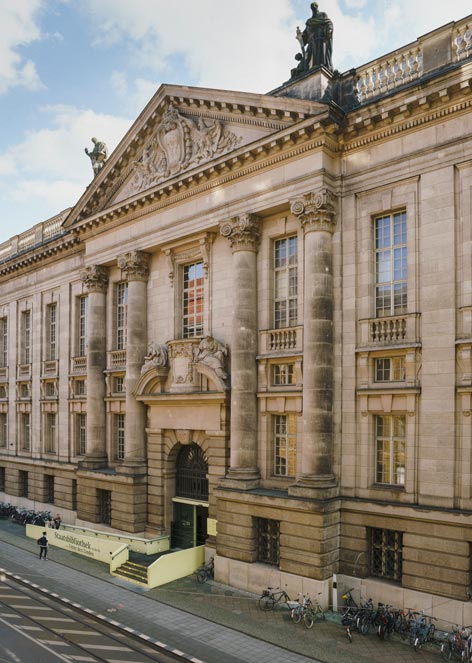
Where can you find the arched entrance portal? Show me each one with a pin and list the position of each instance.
(189, 526)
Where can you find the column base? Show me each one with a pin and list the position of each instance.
(93, 463)
(321, 486)
(242, 478)
(133, 467)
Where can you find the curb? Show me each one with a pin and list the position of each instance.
(103, 618)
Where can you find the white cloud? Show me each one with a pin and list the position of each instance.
(49, 170)
(18, 27)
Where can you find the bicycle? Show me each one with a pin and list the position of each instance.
(207, 571)
(271, 597)
(458, 644)
(422, 631)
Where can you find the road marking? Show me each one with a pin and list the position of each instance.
(106, 647)
(120, 660)
(10, 614)
(82, 658)
(31, 628)
(14, 596)
(33, 607)
(55, 643)
(55, 619)
(71, 630)
(40, 643)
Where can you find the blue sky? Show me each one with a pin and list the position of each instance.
(73, 69)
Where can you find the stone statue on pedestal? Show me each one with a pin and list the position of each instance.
(98, 155)
(316, 42)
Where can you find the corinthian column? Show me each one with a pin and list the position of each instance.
(135, 266)
(95, 278)
(244, 234)
(318, 219)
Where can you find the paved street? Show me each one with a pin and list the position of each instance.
(211, 622)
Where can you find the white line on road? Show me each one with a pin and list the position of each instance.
(40, 643)
(40, 618)
(107, 647)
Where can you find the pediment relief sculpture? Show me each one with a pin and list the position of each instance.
(212, 354)
(177, 144)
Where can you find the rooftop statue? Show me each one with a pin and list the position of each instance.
(316, 42)
(98, 155)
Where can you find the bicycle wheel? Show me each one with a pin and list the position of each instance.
(364, 625)
(349, 634)
(320, 613)
(201, 576)
(431, 632)
(266, 603)
(446, 651)
(296, 614)
(309, 618)
(417, 644)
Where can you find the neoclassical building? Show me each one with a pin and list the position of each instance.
(254, 329)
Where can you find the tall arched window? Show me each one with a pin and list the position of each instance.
(192, 470)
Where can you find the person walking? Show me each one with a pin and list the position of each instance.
(43, 546)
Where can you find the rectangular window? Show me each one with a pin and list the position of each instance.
(285, 445)
(390, 449)
(81, 434)
(82, 326)
(49, 488)
(26, 337)
(104, 506)
(51, 332)
(386, 554)
(390, 369)
(23, 483)
(390, 265)
(25, 431)
(120, 436)
(50, 390)
(74, 495)
(121, 314)
(3, 429)
(3, 391)
(79, 387)
(193, 296)
(119, 385)
(283, 375)
(50, 432)
(285, 282)
(268, 541)
(2, 479)
(3, 342)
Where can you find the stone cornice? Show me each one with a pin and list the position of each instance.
(51, 250)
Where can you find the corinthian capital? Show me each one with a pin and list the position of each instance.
(95, 278)
(243, 232)
(315, 210)
(135, 264)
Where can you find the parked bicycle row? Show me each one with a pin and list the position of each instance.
(22, 516)
(385, 620)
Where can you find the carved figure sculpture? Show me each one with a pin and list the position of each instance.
(212, 353)
(316, 43)
(157, 357)
(98, 155)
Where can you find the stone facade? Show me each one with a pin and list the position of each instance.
(277, 289)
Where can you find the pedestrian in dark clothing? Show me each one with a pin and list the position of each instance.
(43, 546)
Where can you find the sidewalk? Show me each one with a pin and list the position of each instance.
(212, 622)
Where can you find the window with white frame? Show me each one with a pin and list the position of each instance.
(119, 384)
(25, 431)
(192, 300)
(390, 449)
(3, 429)
(283, 375)
(51, 331)
(82, 325)
(50, 432)
(26, 337)
(120, 436)
(3, 342)
(285, 444)
(390, 264)
(390, 369)
(81, 432)
(121, 314)
(79, 388)
(285, 282)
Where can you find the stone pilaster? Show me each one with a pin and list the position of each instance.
(95, 278)
(243, 232)
(317, 216)
(135, 266)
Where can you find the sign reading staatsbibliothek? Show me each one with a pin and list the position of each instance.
(89, 546)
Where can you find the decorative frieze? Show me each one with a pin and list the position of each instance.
(95, 278)
(243, 232)
(135, 265)
(315, 210)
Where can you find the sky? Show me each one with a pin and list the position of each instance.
(73, 69)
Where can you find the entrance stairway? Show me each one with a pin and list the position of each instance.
(135, 569)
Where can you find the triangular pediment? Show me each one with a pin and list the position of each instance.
(182, 130)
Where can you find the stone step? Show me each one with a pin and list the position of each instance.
(132, 572)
